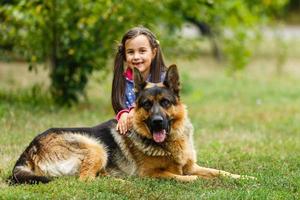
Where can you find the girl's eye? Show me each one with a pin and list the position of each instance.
(165, 103)
(129, 52)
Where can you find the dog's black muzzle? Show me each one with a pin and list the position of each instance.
(159, 127)
(157, 123)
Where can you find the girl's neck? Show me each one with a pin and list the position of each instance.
(146, 75)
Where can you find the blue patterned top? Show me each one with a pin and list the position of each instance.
(129, 93)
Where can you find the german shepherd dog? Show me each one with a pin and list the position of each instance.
(159, 145)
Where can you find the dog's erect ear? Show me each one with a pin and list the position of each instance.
(172, 79)
(139, 82)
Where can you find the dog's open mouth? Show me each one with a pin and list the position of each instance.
(159, 136)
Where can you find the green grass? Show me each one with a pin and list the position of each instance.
(247, 124)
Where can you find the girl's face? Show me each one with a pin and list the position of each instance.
(139, 54)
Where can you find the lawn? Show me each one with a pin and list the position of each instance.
(245, 124)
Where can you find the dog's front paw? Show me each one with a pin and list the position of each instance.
(246, 177)
(236, 176)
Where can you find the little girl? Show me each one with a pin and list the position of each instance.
(139, 48)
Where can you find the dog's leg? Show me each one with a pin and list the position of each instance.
(208, 173)
(93, 163)
(23, 174)
(169, 175)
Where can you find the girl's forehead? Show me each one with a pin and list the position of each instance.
(137, 42)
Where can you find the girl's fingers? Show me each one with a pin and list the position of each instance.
(119, 127)
(123, 124)
(129, 123)
(122, 127)
(125, 128)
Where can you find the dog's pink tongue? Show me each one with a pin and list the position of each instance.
(159, 136)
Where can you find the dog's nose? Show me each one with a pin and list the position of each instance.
(157, 120)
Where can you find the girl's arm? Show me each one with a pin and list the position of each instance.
(124, 118)
(119, 114)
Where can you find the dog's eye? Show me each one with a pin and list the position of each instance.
(147, 104)
(165, 103)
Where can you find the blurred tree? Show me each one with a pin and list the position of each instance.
(294, 5)
(78, 36)
(6, 42)
(232, 26)
(74, 36)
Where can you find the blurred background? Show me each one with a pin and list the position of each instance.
(62, 50)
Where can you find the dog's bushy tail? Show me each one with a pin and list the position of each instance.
(23, 175)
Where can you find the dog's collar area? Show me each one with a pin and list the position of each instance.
(147, 146)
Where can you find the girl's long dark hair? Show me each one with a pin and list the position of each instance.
(157, 66)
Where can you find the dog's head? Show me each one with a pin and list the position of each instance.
(158, 107)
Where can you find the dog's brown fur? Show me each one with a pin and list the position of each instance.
(88, 152)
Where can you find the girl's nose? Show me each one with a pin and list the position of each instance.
(136, 56)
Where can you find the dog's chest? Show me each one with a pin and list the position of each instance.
(173, 155)
(146, 147)
(180, 151)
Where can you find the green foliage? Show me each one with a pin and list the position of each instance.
(76, 37)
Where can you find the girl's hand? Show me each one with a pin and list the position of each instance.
(122, 125)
